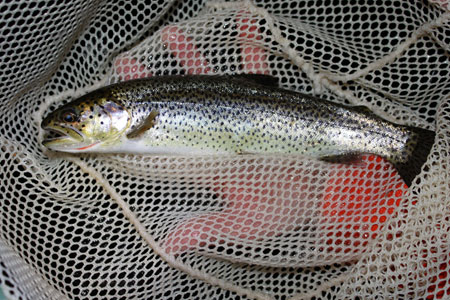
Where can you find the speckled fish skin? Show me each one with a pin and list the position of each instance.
(237, 114)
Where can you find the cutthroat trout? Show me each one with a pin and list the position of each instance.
(228, 114)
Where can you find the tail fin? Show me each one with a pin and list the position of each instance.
(410, 169)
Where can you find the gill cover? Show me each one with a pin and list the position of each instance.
(106, 122)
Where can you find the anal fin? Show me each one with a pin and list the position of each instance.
(347, 158)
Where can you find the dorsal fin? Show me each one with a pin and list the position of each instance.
(259, 79)
(148, 123)
(362, 109)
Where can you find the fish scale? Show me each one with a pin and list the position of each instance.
(229, 114)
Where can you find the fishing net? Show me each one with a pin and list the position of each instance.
(223, 227)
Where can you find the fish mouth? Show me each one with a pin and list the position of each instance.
(63, 138)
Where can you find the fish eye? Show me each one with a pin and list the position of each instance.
(68, 116)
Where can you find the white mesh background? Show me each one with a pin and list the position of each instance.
(246, 227)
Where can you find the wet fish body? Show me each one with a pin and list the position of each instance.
(224, 115)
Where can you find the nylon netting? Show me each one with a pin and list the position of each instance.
(221, 227)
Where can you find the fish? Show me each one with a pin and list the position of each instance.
(229, 114)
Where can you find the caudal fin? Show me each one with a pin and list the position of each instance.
(410, 169)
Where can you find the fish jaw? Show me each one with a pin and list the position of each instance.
(66, 139)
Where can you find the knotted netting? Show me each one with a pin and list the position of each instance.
(223, 227)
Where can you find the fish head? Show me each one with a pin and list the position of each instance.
(86, 124)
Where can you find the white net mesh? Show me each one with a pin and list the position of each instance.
(241, 227)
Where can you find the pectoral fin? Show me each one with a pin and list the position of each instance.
(148, 123)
